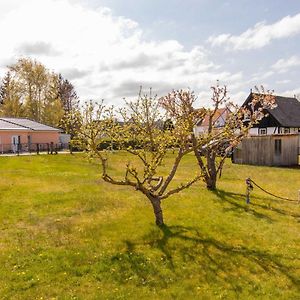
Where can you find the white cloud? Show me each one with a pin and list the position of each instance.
(283, 65)
(292, 93)
(260, 35)
(105, 56)
(283, 81)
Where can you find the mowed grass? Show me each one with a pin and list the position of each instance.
(66, 234)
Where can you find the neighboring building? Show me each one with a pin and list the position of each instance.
(283, 119)
(23, 134)
(219, 120)
(275, 140)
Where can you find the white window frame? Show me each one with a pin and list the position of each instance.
(262, 131)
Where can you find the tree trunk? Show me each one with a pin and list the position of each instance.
(156, 204)
(211, 182)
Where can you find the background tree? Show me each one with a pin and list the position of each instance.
(30, 90)
(33, 79)
(10, 97)
(213, 146)
(67, 94)
(70, 104)
(52, 109)
(143, 137)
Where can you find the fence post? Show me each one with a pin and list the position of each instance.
(48, 148)
(249, 188)
(18, 148)
(37, 148)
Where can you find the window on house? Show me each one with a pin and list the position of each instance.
(284, 130)
(277, 147)
(247, 117)
(262, 131)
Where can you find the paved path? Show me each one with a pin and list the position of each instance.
(33, 153)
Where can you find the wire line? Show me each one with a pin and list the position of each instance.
(282, 198)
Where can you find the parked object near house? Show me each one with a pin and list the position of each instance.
(283, 119)
(20, 134)
(218, 120)
(268, 150)
(64, 138)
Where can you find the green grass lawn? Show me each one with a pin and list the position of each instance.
(66, 234)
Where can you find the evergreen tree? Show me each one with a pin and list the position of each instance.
(70, 104)
(10, 97)
(67, 94)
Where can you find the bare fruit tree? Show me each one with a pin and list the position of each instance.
(140, 132)
(212, 146)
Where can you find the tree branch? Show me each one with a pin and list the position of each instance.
(180, 188)
(178, 158)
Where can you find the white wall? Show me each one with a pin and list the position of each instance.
(272, 130)
(199, 130)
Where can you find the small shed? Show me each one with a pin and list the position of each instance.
(268, 150)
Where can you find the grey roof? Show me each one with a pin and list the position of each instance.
(10, 126)
(287, 112)
(23, 124)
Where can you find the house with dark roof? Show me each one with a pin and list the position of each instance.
(283, 119)
(23, 134)
(275, 140)
(218, 121)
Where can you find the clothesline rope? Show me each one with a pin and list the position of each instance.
(250, 187)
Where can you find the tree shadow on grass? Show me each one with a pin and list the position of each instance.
(276, 209)
(184, 253)
(238, 203)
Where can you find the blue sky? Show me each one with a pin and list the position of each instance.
(108, 48)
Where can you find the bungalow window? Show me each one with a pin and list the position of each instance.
(262, 131)
(277, 147)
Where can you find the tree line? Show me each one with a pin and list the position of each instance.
(30, 90)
